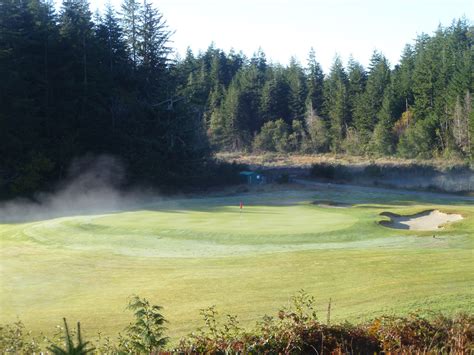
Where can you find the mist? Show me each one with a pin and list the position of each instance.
(93, 185)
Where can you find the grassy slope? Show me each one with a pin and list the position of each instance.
(286, 160)
(190, 254)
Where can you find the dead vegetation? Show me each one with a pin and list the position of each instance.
(279, 160)
(436, 174)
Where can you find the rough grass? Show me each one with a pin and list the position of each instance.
(280, 160)
(190, 254)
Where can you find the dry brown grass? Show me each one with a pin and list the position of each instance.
(278, 160)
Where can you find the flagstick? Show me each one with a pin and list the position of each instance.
(240, 214)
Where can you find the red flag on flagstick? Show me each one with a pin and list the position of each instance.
(241, 205)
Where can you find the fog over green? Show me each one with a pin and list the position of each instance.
(188, 254)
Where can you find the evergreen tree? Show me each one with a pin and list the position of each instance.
(378, 79)
(241, 106)
(423, 77)
(111, 39)
(403, 81)
(336, 104)
(382, 141)
(298, 90)
(27, 29)
(153, 38)
(130, 23)
(114, 63)
(357, 78)
(73, 85)
(275, 97)
(315, 84)
(213, 116)
(235, 119)
(260, 65)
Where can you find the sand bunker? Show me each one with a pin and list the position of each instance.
(424, 221)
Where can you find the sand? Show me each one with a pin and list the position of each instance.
(424, 221)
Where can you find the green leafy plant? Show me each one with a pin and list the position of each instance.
(70, 347)
(146, 334)
(216, 336)
(14, 338)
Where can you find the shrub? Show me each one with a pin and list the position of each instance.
(214, 337)
(373, 170)
(297, 137)
(330, 171)
(417, 140)
(323, 170)
(70, 347)
(416, 333)
(295, 329)
(316, 140)
(352, 144)
(273, 137)
(146, 334)
(14, 338)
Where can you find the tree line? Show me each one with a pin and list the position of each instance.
(419, 109)
(76, 84)
(73, 83)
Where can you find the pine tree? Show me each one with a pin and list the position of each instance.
(357, 78)
(382, 140)
(403, 81)
(336, 104)
(111, 39)
(298, 90)
(236, 119)
(153, 38)
(130, 23)
(275, 98)
(216, 97)
(25, 93)
(315, 75)
(423, 77)
(378, 79)
(259, 62)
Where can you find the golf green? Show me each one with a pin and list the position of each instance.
(189, 254)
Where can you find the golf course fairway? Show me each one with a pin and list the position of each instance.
(191, 253)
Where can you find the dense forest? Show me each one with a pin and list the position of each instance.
(76, 84)
(421, 108)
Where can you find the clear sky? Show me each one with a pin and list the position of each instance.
(285, 28)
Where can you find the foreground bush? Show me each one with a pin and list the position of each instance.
(294, 330)
(14, 338)
(81, 348)
(297, 330)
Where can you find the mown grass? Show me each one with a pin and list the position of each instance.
(190, 254)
